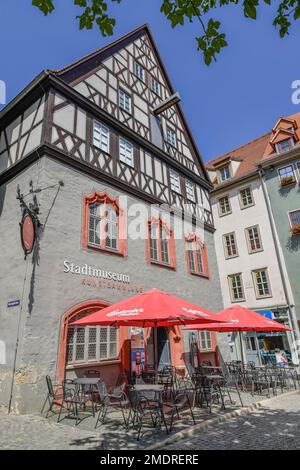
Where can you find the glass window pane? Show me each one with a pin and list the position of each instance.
(95, 224)
(124, 101)
(190, 190)
(126, 152)
(175, 181)
(191, 256)
(171, 137)
(295, 217)
(80, 344)
(155, 86)
(164, 246)
(286, 172)
(101, 136)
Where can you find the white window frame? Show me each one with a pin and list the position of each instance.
(173, 140)
(175, 181)
(227, 256)
(289, 216)
(103, 142)
(155, 86)
(291, 145)
(257, 294)
(282, 168)
(250, 251)
(139, 71)
(231, 289)
(86, 344)
(241, 198)
(226, 167)
(190, 190)
(205, 341)
(221, 214)
(123, 98)
(126, 152)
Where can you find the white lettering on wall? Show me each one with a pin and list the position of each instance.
(86, 270)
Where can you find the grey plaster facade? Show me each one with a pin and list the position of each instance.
(46, 292)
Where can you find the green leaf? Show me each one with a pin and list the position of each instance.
(46, 6)
(249, 9)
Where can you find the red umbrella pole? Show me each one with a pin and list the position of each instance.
(155, 353)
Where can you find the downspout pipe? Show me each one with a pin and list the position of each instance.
(289, 301)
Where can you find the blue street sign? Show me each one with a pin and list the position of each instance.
(13, 303)
(266, 313)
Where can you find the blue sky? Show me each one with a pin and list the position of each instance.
(227, 104)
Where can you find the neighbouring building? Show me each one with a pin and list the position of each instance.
(280, 170)
(86, 152)
(256, 212)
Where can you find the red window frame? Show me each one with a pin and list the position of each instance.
(104, 198)
(171, 245)
(195, 239)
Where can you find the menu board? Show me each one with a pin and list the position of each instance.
(137, 351)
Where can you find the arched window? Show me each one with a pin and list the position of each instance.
(196, 256)
(104, 225)
(160, 244)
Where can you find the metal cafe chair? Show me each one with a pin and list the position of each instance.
(289, 376)
(73, 402)
(54, 395)
(212, 391)
(110, 402)
(182, 401)
(144, 409)
(231, 383)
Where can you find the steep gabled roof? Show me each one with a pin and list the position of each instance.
(249, 154)
(246, 154)
(87, 63)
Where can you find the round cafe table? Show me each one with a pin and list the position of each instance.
(87, 381)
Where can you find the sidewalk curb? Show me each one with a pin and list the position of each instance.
(219, 419)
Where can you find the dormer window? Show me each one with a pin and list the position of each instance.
(224, 173)
(284, 145)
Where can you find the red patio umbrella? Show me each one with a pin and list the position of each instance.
(153, 308)
(238, 319)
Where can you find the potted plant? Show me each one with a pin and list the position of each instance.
(295, 229)
(285, 180)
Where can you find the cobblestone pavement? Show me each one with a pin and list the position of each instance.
(275, 426)
(34, 433)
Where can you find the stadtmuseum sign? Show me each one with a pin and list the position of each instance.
(90, 271)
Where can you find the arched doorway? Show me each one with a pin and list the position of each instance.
(80, 310)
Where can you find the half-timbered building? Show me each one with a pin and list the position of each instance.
(98, 167)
